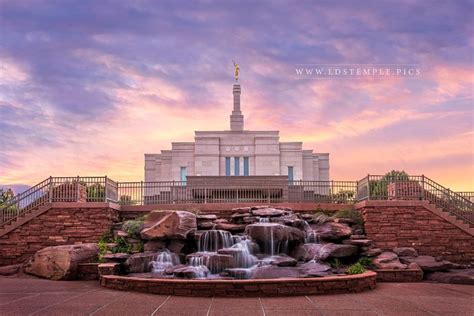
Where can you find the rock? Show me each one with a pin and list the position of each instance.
(256, 207)
(332, 231)
(235, 228)
(268, 212)
(361, 242)
(176, 245)
(109, 268)
(121, 233)
(240, 215)
(306, 217)
(169, 224)
(275, 272)
(205, 225)
(388, 260)
(290, 220)
(116, 257)
(347, 221)
(139, 262)
(283, 261)
(206, 217)
(60, 262)
(154, 245)
(464, 276)
(405, 252)
(372, 252)
(263, 233)
(429, 263)
(10, 270)
(307, 252)
(250, 220)
(215, 262)
(355, 237)
(414, 266)
(337, 251)
(241, 210)
(239, 273)
(315, 269)
(191, 272)
(221, 220)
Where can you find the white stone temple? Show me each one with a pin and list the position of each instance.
(237, 152)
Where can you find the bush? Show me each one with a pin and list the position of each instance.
(366, 262)
(102, 251)
(378, 188)
(335, 263)
(354, 215)
(133, 227)
(122, 246)
(356, 268)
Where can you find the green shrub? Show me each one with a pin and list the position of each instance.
(335, 263)
(107, 236)
(133, 227)
(141, 246)
(126, 200)
(378, 188)
(354, 215)
(356, 268)
(366, 262)
(102, 250)
(122, 246)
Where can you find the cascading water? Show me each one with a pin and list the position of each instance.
(311, 237)
(163, 260)
(213, 240)
(244, 258)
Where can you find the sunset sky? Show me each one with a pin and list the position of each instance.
(88, 87)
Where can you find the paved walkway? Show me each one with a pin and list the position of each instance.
(31, 296)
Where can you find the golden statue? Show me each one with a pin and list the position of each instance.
(237, 70)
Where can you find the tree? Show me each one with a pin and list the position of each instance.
(378, 188)
(6, 195)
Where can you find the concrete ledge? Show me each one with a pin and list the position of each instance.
(244, 288)
(392, 275)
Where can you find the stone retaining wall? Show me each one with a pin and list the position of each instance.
(242, 288)
(391, 275)
(64, 223)
(392, 224)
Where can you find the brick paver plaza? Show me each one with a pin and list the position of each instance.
(32, 296)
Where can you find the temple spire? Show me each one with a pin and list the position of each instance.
(236, 119)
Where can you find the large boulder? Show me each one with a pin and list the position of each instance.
(406, 252)
(283, 261)
(215, 262)
(140, 262)
(388, 260)
(429, 263)
(275, 238)
(10, 270)
(275, 272)
(315, 269)
(307, 252)
(464, 276)
(168, 224)
(332, 231)
(61, 262)
(268, 212)
(189, 272)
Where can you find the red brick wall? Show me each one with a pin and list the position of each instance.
(57, 226)
(391, 224)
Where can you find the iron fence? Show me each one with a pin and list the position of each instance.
(180, 192)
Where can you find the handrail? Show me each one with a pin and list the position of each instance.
(403, 187)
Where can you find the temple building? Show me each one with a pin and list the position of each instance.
(237, 152)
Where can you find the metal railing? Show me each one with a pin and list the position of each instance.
(58, 189)
(179, 192)
(378, 187)
(103, 189)
(467, 195)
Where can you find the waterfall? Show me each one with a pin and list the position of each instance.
(244, 258)
(264, 220)
(311, 237)
(213, 240)
(163, 260)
